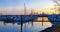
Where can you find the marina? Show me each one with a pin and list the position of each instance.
(29, 15)
(26, 27)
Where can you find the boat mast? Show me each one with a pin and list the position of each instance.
(31, 11)
(24, 9)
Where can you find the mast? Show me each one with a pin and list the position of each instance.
(24, 9)
(31, 11)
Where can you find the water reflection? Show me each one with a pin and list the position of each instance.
(9, 27)
(27, 27)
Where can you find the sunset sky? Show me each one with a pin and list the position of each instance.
(18, 5)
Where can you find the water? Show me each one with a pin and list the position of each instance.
(27, 27)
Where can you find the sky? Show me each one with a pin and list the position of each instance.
(30, 4)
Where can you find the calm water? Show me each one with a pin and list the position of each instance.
(27, 27)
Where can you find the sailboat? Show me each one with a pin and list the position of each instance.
(30, 17)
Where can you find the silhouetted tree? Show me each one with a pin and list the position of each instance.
(57, 3)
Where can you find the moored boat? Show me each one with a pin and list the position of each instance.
(54, 19)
